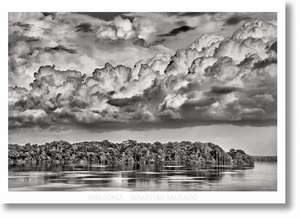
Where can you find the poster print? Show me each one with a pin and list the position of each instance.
(142, 102)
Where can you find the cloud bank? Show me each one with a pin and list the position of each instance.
(216, 78)
(76, 41)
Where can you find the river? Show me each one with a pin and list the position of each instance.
(263, 177)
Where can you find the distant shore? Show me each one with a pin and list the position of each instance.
(129, 152)
(264, 158)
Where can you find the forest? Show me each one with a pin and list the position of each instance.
(184, 153)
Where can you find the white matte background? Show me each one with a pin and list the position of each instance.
(293, 178)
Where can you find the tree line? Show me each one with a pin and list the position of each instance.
(128, 152)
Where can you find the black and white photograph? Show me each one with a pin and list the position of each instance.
(143, 102)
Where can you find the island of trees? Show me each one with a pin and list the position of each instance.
(129, 152)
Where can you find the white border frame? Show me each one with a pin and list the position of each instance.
(107, 197)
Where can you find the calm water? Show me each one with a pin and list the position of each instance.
(165, 178)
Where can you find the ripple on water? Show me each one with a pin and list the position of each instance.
(50, 187)
(77, 175)
(183, 178)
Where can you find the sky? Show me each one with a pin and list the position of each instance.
(147, 76)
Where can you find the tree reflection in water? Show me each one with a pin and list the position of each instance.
(115, 177)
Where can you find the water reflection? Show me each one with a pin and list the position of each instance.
(141, 178)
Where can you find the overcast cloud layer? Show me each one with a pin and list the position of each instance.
(141, 69)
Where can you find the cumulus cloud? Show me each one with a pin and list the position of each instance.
(123, 28)
(256, 29)
(217, 78)
(75, 41)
